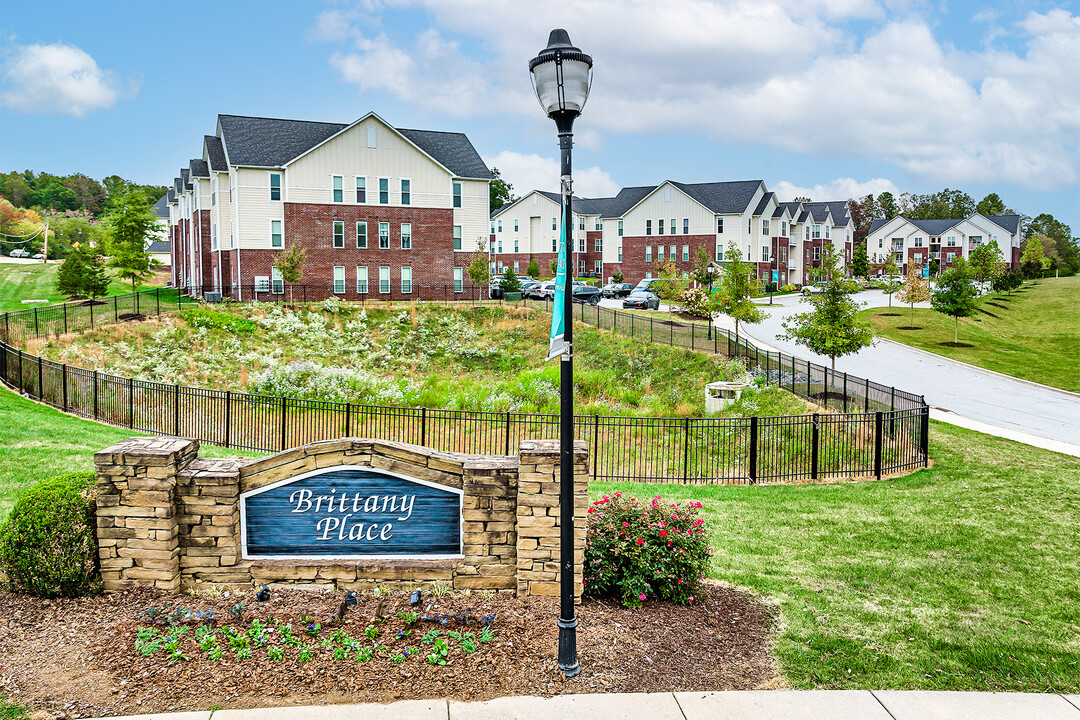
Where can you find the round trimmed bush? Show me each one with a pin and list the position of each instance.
(48, 544)
(637, 549)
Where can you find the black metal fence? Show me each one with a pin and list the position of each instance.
(878, 431)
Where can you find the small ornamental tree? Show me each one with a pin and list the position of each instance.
(916, 289)
(736, 284)
(1033, 260)
(617, 277)
(509, 282)
(95, 280)
(986, 262)
(671, 284)
(533, 270)
(889, 283)
(291, 265)
(554, 265)
(636, 550)
(832, 327)
(955, 294)
(478, 270)
(131, 224)
(1008, 281)
(860, 264)
(69, 277)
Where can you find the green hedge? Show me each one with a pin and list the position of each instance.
(48, 544)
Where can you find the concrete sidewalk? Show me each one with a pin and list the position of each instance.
(733, 705)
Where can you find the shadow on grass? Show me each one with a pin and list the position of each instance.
(1003, 307)
(956, 344)
(887, 314)
(909, 327)
(987, 312)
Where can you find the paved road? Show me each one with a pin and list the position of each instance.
(980, 396)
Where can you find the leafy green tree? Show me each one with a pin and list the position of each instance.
(1033, 260)
(617, 276)
(500, 191)
(887, 205)
(860, 263)
(955, 294)
(554, 265)
(992, 205)
(130, 226)
(1008, 281)
(705, 271)
(862, 216)
(947, 203)
(533, 270)
(69, 276)
(290, 264)
(832, 327)
(671, 284)
(986, 262)
(916, 289)
(509, 282)
(736, 284)
(890, 283)
(1065, 245)
(478, 270)
(95, 279)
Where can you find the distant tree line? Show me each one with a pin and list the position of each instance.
(77, 192)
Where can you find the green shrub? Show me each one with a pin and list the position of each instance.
(787, 288)
(206, 318)
(636, 549)
(697, 302)
(48, 544)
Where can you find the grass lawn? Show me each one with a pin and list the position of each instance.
(958, 577)
(1032, 334)
(37, 442)
(20, 282)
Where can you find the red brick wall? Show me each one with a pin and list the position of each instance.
(916, 256)
(202, 248)
(1015, 260)
(634, 267)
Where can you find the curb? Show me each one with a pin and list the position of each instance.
(976, 368)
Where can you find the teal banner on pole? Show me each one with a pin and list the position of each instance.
(558, 305)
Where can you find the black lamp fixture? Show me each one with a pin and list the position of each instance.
(561, 76)
(713, 269)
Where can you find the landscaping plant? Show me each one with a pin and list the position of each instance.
(955, 295)
(637, 549)
(916, 289)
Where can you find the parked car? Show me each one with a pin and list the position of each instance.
(642, 299)
(616, 290)
(645, 285)
(18, 253)
(586, 295)
(543, 290)
(814, 289)
(39, 256)
(526, 285)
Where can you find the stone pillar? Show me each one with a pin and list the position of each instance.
(538, 546)
(138, 533)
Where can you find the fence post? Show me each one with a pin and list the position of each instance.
(115, 309)
(866, 397)
(37, 330)
(808, 380)
(753, 449)
(878, 418)
(282, 422)
(157, 297)
(508, 422)
(815, 443)
(925, 439)
(95, 394)
(176, 409)
(892, 412)
(91, 313)
(596, 444)
(825, 389)
(131, 403)
(686, 451)
(845, 392)
(65, 319)
(63, 381)
(40, 381)
(348, 419)
(228, 417)
(423, 427)
(19, 384)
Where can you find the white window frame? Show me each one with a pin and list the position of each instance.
(384, 236)
(515, 224)
(361, 187)
(213, 236)
(213, 191)
(406, 279)
(406, 194)
(686, 253)
(660, 226)
(620, 228)
(455, 190)
(598, 244)
(280, 234)
(337, 185)
(361, 224)
(339, 286)
(338, 238)
(620, 253)
(277, 283)
(719, 226)
(459, 279)
(764, 227)
(457, 237)
(384, 279)
(371, 137)
(671, 253)
(406, 236)
(280, 187)
(361, 279)
(387, 191)
(648, 227)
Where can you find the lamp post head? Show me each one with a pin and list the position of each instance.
(561, 76)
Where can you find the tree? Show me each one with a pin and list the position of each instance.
(500, 191)
(1008, 281)
(860, 264)
(1033, 260)
(887, 206)
(533, 270)
(1060, 234)
(701, 273)
(955, 294)
(992, 205)
(737, 282)
(671, 284)
(916, 289)
(95, 279)
(290, 264)
(953, 204)
(130, 226)
(832, 327)
(617, 276)
(889, 281)
(802, 199)
(479, 272)
(554, 265)
(862, 216)
(69, 276)
(986, 262)
(509, 282)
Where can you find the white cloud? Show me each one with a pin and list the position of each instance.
(839, 189)
(533, 172)
(58, 79)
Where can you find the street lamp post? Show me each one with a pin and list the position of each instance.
(561, 76)
(712, 269)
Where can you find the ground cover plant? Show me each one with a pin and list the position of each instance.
(1032, 333)
(958, 577)
(37, 281)
(482, 358)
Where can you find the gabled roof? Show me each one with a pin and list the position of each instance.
(932, 228)
(171, 195)
(161, 207)
(506, 206)
(1011, 223)
(876, 225)
(626, 198)
(795, 209)
(273, 142)
(178, 185)
(185, 178)
(199, 168)
(819, 211)
(764, 203)
(840, 212)
(158, 246)
(215, 153)
(723, 198)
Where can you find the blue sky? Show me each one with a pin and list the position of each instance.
(832, 98)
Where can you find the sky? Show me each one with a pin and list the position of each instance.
(826, 98)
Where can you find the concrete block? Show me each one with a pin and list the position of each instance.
(930, 705)
(787, 704)
(412, 709)
(618, 706)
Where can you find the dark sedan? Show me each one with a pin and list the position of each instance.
(616, 290)
(586, 295)
(642, 300)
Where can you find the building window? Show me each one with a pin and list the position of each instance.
(951, 242)
(581, 223)
(515, 225)
(361, 280)
(816, 235)
(648, 253)
(671, 253)
(949, 257)
(339, 192)
(384, 236)
(765, 253)
(275, 186)
(277, 285)
(384, 191)
(648, 275)
(918, 242)
(459, 279)
(457, 237)
(554, 244)
(581, 267)
(719, 253)
(499, 246)
(783, 229)
(361, 189)
(276, 239)
(659, 253)
(371, 137)
(765, 228)
(581, 246)
(648, 227)
(554, 223)
(598, 266)
(406, 192)
(660, 226)
(686, 226)
(500, 225)
(339, 234)
(597, 226)
(213, 192)
(406, 279)
(598, 245)
(827, 228)
(384, 280)
(406, 236)
(620, 228)
(620, 253)
(339, 279)
(457, 195)
(817, 253)
(361, 235)
(686, 253)
(516, 266)
(516, 245)
(262, 283)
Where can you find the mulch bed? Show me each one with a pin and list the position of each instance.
(77, 658)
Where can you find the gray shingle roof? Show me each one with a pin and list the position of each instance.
(161, 207)
(273, 142)
(626, 199)
(723, 198)
(185, 178)
(199, 169)
(215, 152)
(794, 209)
(158, 246)
(1010, 222)
(876, 225)
(935, 227)
(818, 210)
(171, 194)
(178, 185)
(764, 203)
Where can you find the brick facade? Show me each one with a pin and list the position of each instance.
(202, 247)
(633, 265)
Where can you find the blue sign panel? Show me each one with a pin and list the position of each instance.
(351, 512)
(775, 275)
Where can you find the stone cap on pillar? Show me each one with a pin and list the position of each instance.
(146, 451)
(538, 452)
